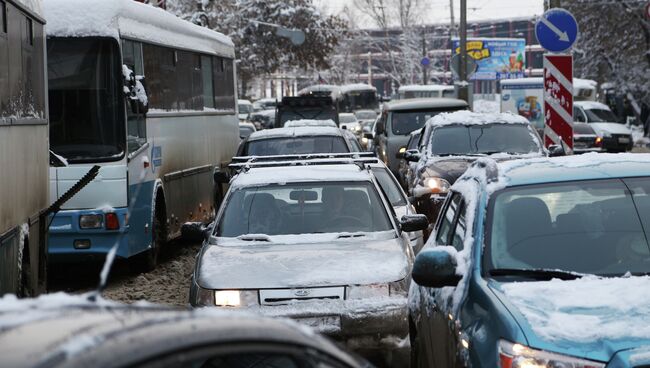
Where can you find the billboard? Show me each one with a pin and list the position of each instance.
(525, 97)
(495, 58)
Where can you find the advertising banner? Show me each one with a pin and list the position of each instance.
(495, 58)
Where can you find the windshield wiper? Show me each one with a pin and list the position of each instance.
(357, 235)
(537, 273)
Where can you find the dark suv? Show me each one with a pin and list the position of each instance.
(451, 142)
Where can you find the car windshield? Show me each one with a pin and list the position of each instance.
(330, 207)
(595, 227)
(482, 139)
(389, 186)
(296, 145)
(600, 116)
(404, 122)
(85, 99)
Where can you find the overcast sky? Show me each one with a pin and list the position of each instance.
(437, 11)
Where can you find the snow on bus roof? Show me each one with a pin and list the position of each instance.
(131, 19)
(300, 174)
(295, 132)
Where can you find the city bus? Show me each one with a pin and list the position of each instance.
(151, 99)
(348, 97)
(24, 156)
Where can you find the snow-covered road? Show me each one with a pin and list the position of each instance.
(167, 284)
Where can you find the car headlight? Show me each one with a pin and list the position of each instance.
(235, 298)
(432, 186)
(520, 356)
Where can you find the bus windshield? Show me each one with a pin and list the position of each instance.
(85, 99)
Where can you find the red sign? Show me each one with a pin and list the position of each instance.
(558, 101)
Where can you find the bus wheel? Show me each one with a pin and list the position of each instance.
(149, 259)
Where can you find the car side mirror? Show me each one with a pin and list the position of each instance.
(400, 153)
(368, 136)
(380, 128)
(435, 268)
(221, 177)
(556, 150)
(412, 155)
(195, 232)
(409, 223)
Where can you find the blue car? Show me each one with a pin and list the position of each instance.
(538, 263)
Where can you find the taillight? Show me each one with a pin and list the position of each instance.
(112, 222)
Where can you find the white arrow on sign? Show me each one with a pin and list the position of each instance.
(562, 35)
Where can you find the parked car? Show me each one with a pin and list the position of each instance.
(298, 140)
(398, 119)
(406, 170)
(585, 139)
(316, 242)
(616, 137)
(538, 263)
(245, 109)
(60, 330)
(349, 121)
(246, 129)
(452, 141)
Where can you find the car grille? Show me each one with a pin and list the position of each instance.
(284, 296)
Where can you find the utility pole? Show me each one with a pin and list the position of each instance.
(463, 85)
(452, 30)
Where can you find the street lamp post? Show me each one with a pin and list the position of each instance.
(463, 87)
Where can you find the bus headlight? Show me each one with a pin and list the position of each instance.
(91, 221)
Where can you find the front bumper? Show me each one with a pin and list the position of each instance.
(618, 143)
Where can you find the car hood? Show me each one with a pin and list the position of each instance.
(591, 317)
(293, 261)
(610, 128)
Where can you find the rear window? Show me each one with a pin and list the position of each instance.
(296, 145)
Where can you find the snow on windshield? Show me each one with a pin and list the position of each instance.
(586, 309)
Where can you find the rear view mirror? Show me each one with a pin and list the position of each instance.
(221, 177)
(195, 232)
(412, 155)
(435, 268)
(556, 150)
(303, 195)
(409, 223)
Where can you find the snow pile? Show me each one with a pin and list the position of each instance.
(310, 123)
(586, 309)
(487, 106)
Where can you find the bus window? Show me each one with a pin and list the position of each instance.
(208, 91)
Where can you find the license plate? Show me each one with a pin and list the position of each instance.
(624, 140)
(323, 324)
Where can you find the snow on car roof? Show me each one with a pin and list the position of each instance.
(474, 118)
(309, 123)
(427, 87)
(586, 309)
(424, 103)
(131, 19)
(301, 131)
(299, 174)
(591, 105)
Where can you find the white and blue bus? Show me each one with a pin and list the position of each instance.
(23, 148)
(149, 97)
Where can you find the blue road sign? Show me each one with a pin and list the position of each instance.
(556, 30)
(425, 61)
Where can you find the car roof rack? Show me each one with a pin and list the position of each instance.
(359, 158)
